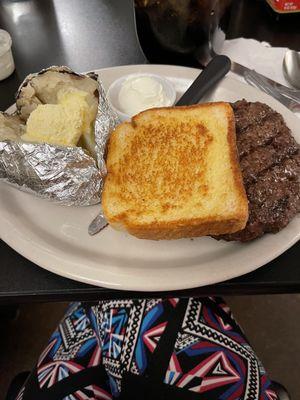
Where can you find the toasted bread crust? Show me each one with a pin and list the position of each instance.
(179, 229)
(158, 228)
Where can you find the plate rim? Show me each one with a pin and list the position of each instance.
(38, 260)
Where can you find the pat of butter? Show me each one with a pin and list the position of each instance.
(139, 93)
(63, 123)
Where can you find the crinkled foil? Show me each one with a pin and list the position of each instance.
(106, 121)
(67, 175)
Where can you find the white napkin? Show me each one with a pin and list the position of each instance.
(256, 55)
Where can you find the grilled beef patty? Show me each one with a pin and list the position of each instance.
(270, 165)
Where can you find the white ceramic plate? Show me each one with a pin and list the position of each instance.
(56, 238)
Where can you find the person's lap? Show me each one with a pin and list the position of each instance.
(134, 349)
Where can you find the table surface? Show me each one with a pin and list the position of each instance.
(101, 33)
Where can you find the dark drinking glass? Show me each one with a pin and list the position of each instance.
(181, 32)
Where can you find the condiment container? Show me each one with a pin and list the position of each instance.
(165, 96)
(7, 64)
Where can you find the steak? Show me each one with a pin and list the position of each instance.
(270, 165)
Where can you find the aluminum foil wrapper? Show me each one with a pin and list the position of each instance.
(67, 175)
(106, 121)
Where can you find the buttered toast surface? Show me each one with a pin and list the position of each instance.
(174, 172)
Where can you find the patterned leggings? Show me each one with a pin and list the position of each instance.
(148, 349)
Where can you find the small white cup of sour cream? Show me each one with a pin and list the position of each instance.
(137, 92)
(7, 65)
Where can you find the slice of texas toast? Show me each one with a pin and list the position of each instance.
(174, 173)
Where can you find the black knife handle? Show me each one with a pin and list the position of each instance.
(215, 70)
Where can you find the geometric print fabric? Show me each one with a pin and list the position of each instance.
(211, 358)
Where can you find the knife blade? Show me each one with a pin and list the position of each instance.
(267, 85)
(241, 70)
(255, 80)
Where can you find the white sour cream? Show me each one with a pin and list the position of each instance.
(138, 93)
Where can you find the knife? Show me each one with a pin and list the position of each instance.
(215, 70)
(285, 95)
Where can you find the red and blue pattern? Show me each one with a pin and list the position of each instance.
(211, 357)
